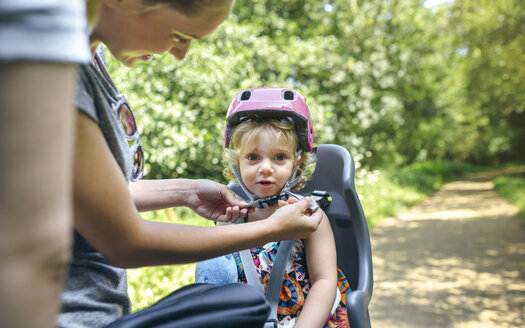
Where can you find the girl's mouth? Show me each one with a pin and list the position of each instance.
(265, 184)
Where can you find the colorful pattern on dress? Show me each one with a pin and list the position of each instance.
(296, 284)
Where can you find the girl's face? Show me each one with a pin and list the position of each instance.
(134, 32)
(266, 166)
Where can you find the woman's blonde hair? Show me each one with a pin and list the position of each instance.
(246, 134)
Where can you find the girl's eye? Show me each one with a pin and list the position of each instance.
(252, 157)
(280, 157)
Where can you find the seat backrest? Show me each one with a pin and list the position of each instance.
(334, 173)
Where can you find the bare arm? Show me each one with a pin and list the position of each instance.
(322, 269)
(207, 198)
(106, 215)
(36, 137)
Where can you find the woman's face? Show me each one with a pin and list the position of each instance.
(134, 32)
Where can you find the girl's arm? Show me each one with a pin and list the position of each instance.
(321, 260)
(106, 215)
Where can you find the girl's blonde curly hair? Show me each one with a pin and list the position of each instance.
(246, 134)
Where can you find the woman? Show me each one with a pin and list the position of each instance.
(110, 234)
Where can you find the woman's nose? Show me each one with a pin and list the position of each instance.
(179, 50)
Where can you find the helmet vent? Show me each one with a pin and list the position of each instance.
(288, 95)
(246, 95)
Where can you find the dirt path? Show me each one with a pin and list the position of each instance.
(455, 260)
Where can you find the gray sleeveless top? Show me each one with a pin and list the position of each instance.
(95, 292)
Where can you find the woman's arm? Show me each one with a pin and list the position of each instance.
(207, 198)
(106, 215)
(321, 259)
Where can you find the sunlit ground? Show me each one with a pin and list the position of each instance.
(456, 260)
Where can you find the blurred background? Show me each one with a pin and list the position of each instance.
(420, 93)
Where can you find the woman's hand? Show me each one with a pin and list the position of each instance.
(294, 220)
(214, 201)
(293, 200)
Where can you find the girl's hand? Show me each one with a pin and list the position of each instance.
(234, 213)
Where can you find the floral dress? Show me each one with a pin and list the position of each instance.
(296, 284)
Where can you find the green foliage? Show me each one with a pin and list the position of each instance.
(148, 285)
(386, 193)
(512, 187)
(428, 176)
(490, 70)
(394, 80)
(382, 198)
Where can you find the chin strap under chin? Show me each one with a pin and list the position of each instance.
(237, 172)
(266, 201)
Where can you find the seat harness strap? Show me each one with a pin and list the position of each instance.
(276, 276)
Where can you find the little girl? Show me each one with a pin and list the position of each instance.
(269, 138)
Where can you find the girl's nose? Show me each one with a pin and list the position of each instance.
(266, 166)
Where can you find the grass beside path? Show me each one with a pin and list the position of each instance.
(511, 186)
(387, 193)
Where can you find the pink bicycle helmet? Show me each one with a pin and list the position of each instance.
(271, 103)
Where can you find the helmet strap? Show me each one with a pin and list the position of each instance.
(237, 172)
